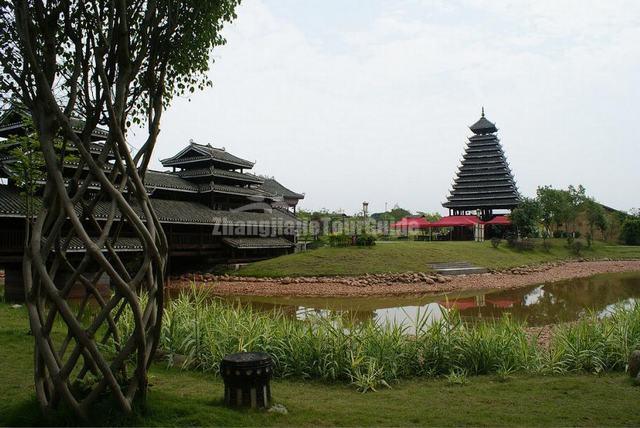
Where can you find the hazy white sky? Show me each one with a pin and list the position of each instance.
(350, 100)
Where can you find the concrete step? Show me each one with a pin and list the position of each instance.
(457, 268)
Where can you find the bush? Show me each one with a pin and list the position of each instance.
(524, 245)
(546, 245)
(576, 247)
(630, 234)
(340, 240)
(369, 355)
(495, 242)
(365, 240)
(570, 240)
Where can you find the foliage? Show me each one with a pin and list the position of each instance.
(340, 240)
(74, 66)
(190, 398)
(495, 242)
(365, 240)
(577, 246)
(370, 355)
(630, 234)
(526, 244)
(596, 217)
(526, 217)
(560, 207)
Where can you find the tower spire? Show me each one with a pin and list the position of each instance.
(482, 111)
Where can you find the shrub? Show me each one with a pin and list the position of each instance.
(365, 240)
(495, 242)
(546, 245)
(570, 240)
(524, 245)
(370, 355)
(340, 240)
(576, 247)
(630, 234)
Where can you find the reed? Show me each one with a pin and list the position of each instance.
(369, 356)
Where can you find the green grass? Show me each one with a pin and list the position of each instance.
(179, 398)
(416, 256)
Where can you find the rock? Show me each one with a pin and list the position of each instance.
(278, 408)
(16, 306)
(429, 281)
(634, 364)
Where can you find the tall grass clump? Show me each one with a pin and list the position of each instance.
(596, 344)
(202, 330)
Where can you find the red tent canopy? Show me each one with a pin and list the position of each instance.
(413, 222)
(456, 220)
(499, 220)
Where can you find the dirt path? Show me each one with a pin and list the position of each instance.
(402, 284)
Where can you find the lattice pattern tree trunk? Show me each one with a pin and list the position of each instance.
(108, 63)
(63, 366)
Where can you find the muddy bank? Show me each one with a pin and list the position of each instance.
(401, 284)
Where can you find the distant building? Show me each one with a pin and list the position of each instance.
(484, 181)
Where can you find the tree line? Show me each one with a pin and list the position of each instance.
(560, 212)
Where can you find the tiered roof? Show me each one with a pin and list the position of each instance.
(272, 186)
(206, 154)
(14, 119)
(484, 179)
(167, 211)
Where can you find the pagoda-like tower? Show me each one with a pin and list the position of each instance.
(484, 181)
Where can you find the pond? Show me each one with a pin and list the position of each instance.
(537, 305)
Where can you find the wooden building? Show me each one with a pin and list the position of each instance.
(484, 182)
(210, 206)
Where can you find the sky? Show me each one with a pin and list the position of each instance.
(350, 101)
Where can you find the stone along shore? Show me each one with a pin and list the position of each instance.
(396, 284)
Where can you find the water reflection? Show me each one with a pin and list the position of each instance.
(538, 305)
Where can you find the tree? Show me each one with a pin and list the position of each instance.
(630, 234)
(553, 207)
(397, 213)
(576, 198)
(99, 63)
(526, 217)
(596, 217)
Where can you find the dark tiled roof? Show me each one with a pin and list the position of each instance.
(271, 185)
(484, 178)
(206, 152)
(483, 126)
(216, 172)
(12, 204)
(122, 244)
(166, 180)
(13, 121)
(236, 190)
(256, 243)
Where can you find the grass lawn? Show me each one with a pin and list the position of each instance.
(405, 256)
(188, 398)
